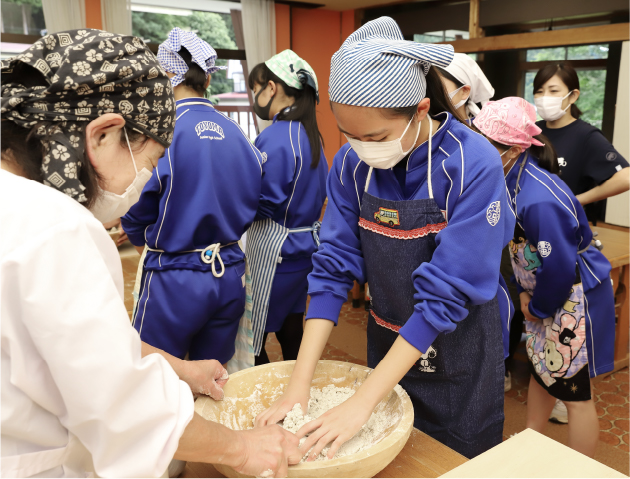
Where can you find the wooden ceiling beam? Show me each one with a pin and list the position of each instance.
(556, 38)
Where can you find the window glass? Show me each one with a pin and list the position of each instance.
(440, 36)
(546, 54)
(588, 52)
(214, 28)
(24, 17)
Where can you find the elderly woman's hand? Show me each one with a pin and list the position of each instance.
(206, 377)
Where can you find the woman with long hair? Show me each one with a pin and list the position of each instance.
(564, 282)
(284, 236)
(416, 208)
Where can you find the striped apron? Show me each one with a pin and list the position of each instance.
(264, 244)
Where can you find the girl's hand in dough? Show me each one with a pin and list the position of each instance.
(279, 409)
(337, 426)
(206, 377)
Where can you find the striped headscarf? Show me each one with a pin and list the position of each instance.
(201, 52)
(377, 67)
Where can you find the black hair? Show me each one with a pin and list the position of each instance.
(436, 92)
(546, 154)
(567, 74)
(302, 110)
(449, 76)
(195, 77)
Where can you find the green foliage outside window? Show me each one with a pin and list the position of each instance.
(214, 28)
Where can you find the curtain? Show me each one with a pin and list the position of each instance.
(259, 32)
(116, 15)
(63, 15)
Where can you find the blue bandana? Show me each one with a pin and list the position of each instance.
(377, 67)
(202, 54)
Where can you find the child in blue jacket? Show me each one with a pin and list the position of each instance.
(202, 197)
(564, 283)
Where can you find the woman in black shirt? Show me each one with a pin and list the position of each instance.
(589, 164)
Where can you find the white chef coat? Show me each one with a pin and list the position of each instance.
(77, 397)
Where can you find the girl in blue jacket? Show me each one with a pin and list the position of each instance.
(564, 283)
(417, 208)
(284, 236)
(202, 197)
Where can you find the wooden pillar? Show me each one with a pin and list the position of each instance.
(93, 15)
(474, 31)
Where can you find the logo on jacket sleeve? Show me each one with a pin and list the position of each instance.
(544, 248)
(209, 130)
(493, 213)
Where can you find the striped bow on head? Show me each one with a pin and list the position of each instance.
(377, 67)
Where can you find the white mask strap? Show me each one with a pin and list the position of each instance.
(130, 152)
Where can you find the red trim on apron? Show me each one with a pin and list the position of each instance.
(385, 324)
(401, 234)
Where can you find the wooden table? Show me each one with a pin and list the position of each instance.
(422, 456)
(616, 250)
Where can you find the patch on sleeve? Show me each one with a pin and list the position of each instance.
(544, 248)
(264, 157)
(611, 155)
(493, 214)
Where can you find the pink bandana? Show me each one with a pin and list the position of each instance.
(510, 121)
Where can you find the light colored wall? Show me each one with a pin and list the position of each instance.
(618, 207)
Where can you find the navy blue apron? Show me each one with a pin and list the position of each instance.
(456, 387)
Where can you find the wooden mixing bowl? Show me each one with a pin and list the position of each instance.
(251, 391)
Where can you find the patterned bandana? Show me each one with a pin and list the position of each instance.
(510, 121)
(202, 54)
(294, 71)
(377, 67)
(85, 74)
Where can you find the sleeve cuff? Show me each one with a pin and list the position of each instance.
(418, 332)
(325, 305)
(136, 238)
(534, 312)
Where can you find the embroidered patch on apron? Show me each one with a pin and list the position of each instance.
(425, 364)
(388, 216)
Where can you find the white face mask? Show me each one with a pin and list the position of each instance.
(453, 93)
(382, 154)
(550, 107)
(110, 206)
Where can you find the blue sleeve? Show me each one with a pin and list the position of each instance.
(550, 227)
(278, 173)
(465, 266)
(519, 288)
(339, 260)
(147, 210)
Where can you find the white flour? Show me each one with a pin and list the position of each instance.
(327, 398)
